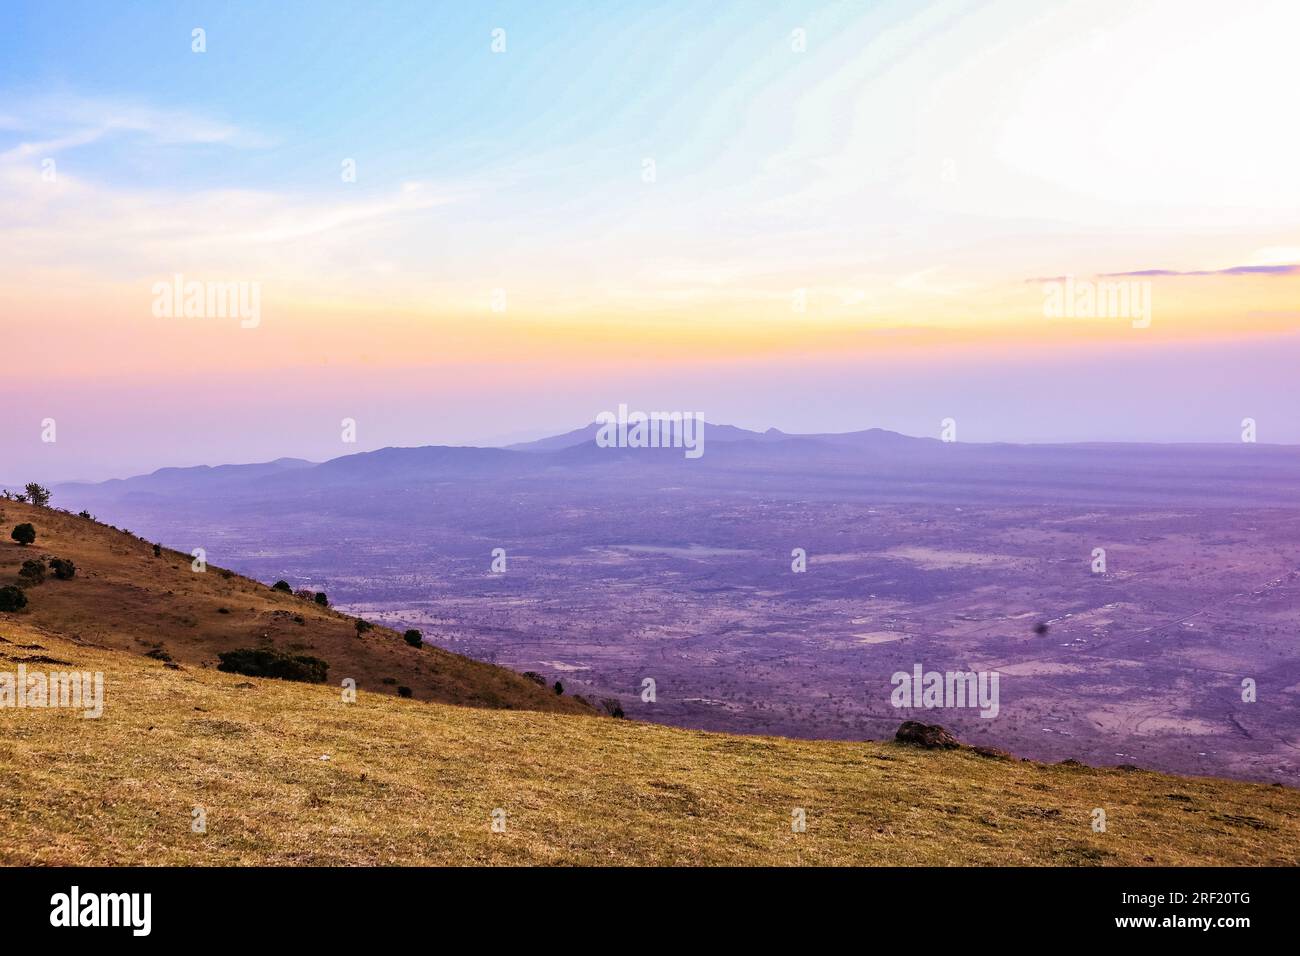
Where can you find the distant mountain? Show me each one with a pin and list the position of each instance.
(172, 479)
(871, 437)
(588, 433)
(897, 464)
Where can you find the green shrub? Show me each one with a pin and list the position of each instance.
(362, 626)
(37, 494)
(559, 688)
(12, 599)
(321, 599)
(266, 662)
(24, 533)
(414, 638)
(282, 586)
(403, 692)
(32, 571)
(63, 568)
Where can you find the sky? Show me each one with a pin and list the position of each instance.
(475, 223)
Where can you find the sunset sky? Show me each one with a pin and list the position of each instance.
(846, 227)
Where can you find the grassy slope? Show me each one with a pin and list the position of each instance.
(124, 597)
(415, 782)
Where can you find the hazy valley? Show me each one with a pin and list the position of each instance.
(628, 564)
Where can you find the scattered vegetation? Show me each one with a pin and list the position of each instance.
(266, 662)
(133, 603)
(24, 533)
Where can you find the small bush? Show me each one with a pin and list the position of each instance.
(321, 599)
(414, 638)
(266, 662)
(12, 599)
(63, 568)
(223, 610)
(157, 550)
(32, 571)
(87, 515)
(158, 654)
(558, 688)
(362, 626)
(403, 692)
(282, 586)
(24, 533)
(536, 678)
(613, 708)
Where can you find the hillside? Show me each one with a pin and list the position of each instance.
(123, 597)
(412, 783)
(290, 773)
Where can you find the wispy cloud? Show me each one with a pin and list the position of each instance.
(1278, 270)
(78, 221)
(65, 122)
(1285, 269)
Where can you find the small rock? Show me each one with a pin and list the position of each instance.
(929, 736)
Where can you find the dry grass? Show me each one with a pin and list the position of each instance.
(416, 783)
